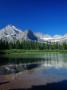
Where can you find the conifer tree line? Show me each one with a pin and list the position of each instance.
(32, 45)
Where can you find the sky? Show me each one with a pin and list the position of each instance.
(45, 16)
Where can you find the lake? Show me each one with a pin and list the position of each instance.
(48, 71)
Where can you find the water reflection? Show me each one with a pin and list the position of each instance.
(15, 65)
(56, 61)
(35, 72)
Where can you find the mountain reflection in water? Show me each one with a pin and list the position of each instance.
(34, 71)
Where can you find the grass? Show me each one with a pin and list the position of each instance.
(30, 53)
(25, 51)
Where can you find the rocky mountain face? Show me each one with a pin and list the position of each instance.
(11, 33)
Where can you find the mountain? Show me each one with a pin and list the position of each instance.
(10, 33)
(55, 38)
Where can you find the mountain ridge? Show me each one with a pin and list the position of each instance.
(11, 33)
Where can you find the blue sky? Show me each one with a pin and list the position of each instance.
(46, 16)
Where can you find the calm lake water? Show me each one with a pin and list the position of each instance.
(48, 71)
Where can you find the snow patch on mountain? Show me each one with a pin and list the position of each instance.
(11, 33)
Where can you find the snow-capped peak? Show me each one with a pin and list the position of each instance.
(55, 38)
(12, 27)
(12, 33)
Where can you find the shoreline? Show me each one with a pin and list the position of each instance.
(30, 53)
